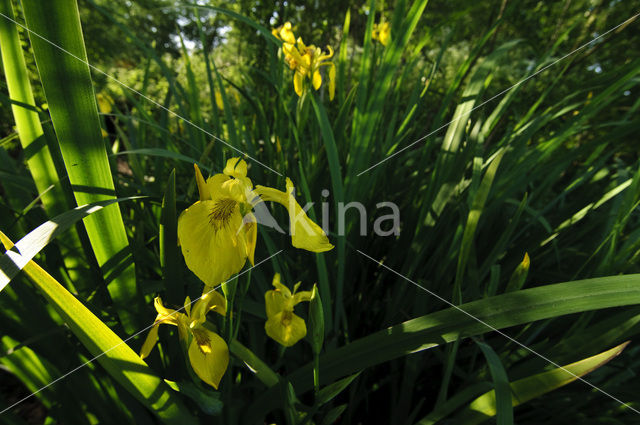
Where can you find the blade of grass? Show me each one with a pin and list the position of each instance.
(502, 390)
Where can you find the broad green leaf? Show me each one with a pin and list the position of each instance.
(58, 46)
(120, 361)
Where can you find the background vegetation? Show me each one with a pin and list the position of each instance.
(548, 170)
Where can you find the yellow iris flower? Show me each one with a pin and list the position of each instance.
(218, 233)
(208, 353)
(381, 32)
(283, 325)
(305, 60)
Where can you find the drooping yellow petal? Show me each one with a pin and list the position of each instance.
(208, 235)
(187, 305)
(305, 234)
(317, 80)
(297, 83)
(150, 341)
(305, 65)
(251, 235)
(332, 81)
(204, 192)
(208, 355)
(166, 316)
(301, 46)
(286, 328)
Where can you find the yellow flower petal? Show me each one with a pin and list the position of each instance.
(279, 299)
(202, 186)
(275, 302)
(210, 300)
(149, 342)
(286, 328)
(214, 185)
(235, 167)
(286, 33)
(208, 355)
(301, 46)
(219, 100)
(305, 234)
(166, 315)
(385, 33)
(322, 58)
(332, 81)
(211, 245)
(301, 296)
(187, 305)
(297, 83)
(292, 53)
(317, 80)
(104, 103)
(251, 234)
